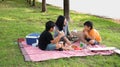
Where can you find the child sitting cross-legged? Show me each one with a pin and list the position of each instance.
(91, 35)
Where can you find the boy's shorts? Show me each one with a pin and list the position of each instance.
(51, 47)
(95, 43)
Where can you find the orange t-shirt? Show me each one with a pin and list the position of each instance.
(94, 34)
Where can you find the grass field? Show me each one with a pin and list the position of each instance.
(17, 19)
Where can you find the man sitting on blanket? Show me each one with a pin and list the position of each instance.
(90, 34)
(46, 40)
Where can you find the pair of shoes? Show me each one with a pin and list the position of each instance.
(60, 49)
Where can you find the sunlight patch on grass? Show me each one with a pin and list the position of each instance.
(6, 18)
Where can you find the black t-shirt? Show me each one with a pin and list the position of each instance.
(45, 39)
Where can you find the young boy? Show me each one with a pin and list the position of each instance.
(46, 40)
(91, 35)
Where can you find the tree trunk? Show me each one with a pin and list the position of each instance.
(66, 10)
(27, 1)
(30, 2)
(44, 5)
(33, 3)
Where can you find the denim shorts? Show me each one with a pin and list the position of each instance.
(51, 47)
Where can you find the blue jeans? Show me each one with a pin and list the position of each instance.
(51, 47)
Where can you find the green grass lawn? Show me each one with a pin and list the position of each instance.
(17, 19)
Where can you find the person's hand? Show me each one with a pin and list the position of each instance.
(86, 33)
(61, 34)
(71, 35)
(84, 30)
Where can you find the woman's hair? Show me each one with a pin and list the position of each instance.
(89, 24)
(60, 22)
(49, 24)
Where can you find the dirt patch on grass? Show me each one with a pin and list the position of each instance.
(117, 20)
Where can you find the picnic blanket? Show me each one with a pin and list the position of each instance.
(35, 54)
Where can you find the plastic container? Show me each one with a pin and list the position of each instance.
(83, 45)
(75, 30)
(32, 38)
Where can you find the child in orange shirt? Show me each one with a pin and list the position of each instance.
(91, 35)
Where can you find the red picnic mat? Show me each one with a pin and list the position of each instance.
(35, 54)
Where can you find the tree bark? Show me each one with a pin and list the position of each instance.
(27, 1)
(44, 5)
(33, 4)
(30, 2)
(66, 10)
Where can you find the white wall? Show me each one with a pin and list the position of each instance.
(108, 8)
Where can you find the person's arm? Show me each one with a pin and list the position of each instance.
(88, 36)
(56, 31)
(57, 39)
(67, 41)
(68, 32)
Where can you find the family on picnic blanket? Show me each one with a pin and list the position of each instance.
(62, 37)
